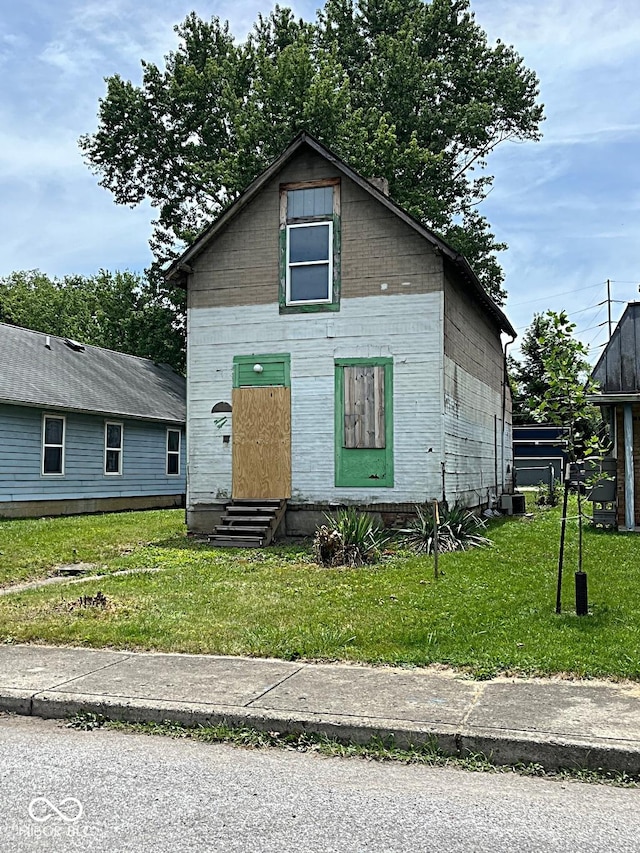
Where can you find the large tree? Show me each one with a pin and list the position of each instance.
(119, 311)
(401, 88)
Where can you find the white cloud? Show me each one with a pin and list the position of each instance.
(32, 158)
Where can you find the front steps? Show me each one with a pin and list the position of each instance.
(249, 524)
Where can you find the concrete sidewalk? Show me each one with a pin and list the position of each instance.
(553, 722)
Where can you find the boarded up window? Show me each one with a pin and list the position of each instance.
(364, 406)
(260, 370)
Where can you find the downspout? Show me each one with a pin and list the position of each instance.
(629, 480)
(504, 409)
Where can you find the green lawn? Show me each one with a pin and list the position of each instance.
(492, 610)
(33, 548)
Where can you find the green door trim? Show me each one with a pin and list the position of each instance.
(279, 373)
(344, 477)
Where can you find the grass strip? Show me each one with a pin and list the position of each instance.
(376, 749)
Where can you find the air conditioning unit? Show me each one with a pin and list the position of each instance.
(513, 504)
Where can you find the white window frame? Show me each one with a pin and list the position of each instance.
(120, 449)
(329, 263)
(62, 418)
(173, 452)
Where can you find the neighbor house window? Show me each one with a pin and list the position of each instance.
(173, 451)
(310, 241)
(112, 448)
(53, 445)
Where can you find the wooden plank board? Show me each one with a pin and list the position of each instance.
(349, 413)
(364, 418)
(380, 438)
(261, 451)
(368, 406)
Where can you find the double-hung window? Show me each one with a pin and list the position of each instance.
(310, 226)
(309, 263)
(173, 451)
(53, 445)
(113, 436)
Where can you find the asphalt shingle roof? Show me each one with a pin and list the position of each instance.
(92, 380)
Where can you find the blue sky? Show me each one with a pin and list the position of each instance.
(569, 206)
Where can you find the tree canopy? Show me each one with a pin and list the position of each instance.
(404, 89)
(552, 379)
(119, 311)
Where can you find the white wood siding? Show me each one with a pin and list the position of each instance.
(408, 328)
(470, 407)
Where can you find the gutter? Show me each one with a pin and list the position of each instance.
(52, 407)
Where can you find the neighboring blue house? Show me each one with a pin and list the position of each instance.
(86, 429)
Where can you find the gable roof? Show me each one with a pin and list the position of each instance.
(48, 372)
(181, 266)
(618, 368)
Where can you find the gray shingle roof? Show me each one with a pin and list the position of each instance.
(92, 380)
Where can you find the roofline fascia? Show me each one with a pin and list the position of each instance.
(609, 399)
(182, 263)
(48, 407)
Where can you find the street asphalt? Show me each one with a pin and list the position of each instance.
(555, 722)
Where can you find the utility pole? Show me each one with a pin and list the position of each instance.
(609, 305)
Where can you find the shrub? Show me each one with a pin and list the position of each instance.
(458, 530)
(350, 538)
(546, 495)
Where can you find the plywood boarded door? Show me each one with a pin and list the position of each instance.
(261, 456)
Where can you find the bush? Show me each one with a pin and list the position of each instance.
(458, 530)
(546, 495)
(350, 538)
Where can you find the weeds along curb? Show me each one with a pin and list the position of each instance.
(376, 749)
(385, 740)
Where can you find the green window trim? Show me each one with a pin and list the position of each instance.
(363, 467)
(276, 370)
(310, 307)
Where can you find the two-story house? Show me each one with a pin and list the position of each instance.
(339, 353)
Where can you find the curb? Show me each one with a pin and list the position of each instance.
(500, 747)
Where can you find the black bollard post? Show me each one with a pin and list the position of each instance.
(582, 603)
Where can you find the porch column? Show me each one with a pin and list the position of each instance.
(629, 485)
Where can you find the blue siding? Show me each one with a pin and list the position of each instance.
(143, 462)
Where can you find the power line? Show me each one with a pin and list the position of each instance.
(552, 296)
(582, 310)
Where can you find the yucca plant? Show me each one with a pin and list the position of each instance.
(458, 530)
(349, 538)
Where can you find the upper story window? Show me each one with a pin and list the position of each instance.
(173, 452)
(310, 247)
(113, 435)
(53, 435)
(309, 263)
